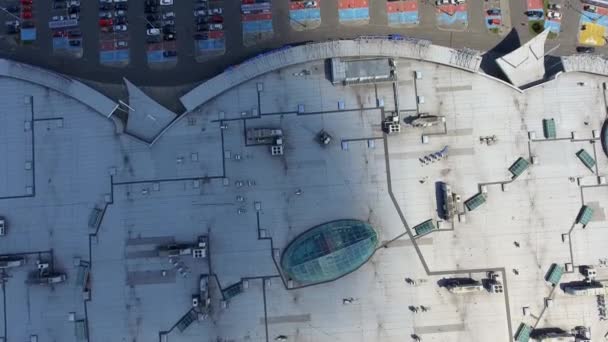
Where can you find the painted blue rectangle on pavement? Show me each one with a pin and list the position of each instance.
(257, 26)
(155, 56)
(403, 17)
(352, 14)
(552, 26)
(307, 14)
(211, 44)
(60, 43)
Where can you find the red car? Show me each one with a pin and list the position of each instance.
(217, 18)
(26, 2)
(26, 15)
(26, 8)
(105, 22)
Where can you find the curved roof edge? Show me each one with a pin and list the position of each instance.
(62, 84)
(365, 47)
(593, 64)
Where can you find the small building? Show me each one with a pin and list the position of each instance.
(358, 71)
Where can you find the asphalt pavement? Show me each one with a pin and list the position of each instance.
(188, 70)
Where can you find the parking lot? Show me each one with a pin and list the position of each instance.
(111, 39)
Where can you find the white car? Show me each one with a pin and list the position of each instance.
(200, 13)
(166, 2)
(309, 4)
(2, 226)
(215, 11)
(120, 13)
(168, 15)
(153, 32)
(442, 2)
(215, 27)
(105, 1)
(58, 18)
(120, 44)
(119, 1)
(554, 15)
(120, 28)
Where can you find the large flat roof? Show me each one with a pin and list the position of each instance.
(202, 178)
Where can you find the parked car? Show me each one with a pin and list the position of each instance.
(153, 39)
(167, 29)
(585, 49)
(26, 2)
(554, 15)
(120, 13)
(151, 3)
(152, 17)
(120, 28)
(534, 14)
(105, 6)
(26, 15)
(215, 11)
(105, 14)
(120, 1)
(152, 25)
(75, 16)
(555, 6)
(168, 15)
(494, 21)
(121, 6)
(59, 5)
(200, 13)
(215, 27)
(310, 4)
(151, 9)
(153, 32)
(58, 18)
(2, 226)
(169, 22)
(217, 19)
(202, 20)
(170, 53)
(57, 34)
(105, 22)
(12, 28)
(13, 8)
(166, 2)
(120, 21)
(75, 42)
(442, 2)
(590, 8)
(201, 36)
(105, 1)
(169, 36)
(493, 11)
(74, 10)
(74, 34)
(121, 44)
(202, 28)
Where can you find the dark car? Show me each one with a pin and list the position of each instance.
(151, 3)
(153, 17)
(105, 7)
(121, 6)
(493, 11)
(74, 10)
(27, 24)
(170, 36)
(170, 53)
(74, 42)
(12, 29)
(59, 5)
(120, 20)
(202, 20)
(585, 49)
(74, 34)
(201, 27)
(201, 36)
(152, 25)
(151, 9)
(13, 9)
(152, 39)
(534, 14)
